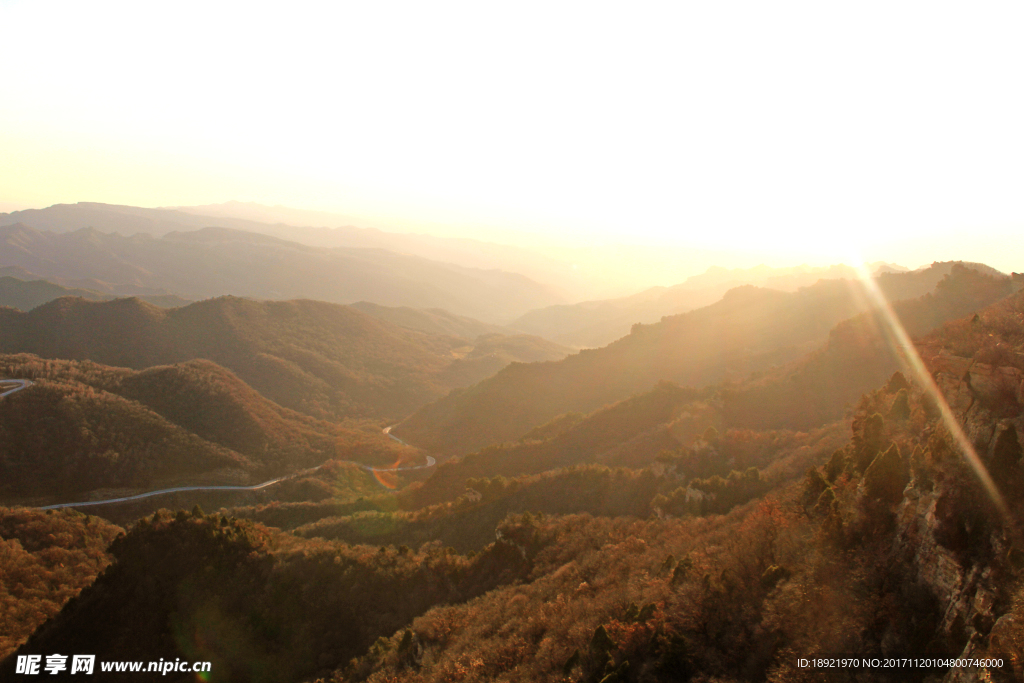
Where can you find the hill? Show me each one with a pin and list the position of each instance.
(205, 572)
(25, 296)
(893, 512)
(323, 359)
(750, 329)
(215, 261)
(83, 427)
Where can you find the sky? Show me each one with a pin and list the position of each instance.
(789, 131)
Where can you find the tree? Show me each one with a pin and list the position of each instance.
(887, 476)
(900, 409)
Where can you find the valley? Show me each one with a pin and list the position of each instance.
(512, 342)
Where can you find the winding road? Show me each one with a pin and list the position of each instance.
(149, 494)
(23, 383)
(387, 430)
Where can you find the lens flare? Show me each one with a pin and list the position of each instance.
(387, 479)
(900, 341)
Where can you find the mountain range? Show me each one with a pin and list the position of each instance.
(26, 295)
(311, 229)
(750, 330)
(322, 359)
(592, 324)
(216, 261)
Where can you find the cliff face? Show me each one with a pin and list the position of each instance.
(969, 595)
(966, 381)
(968, 564)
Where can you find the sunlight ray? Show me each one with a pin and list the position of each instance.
(902, 343)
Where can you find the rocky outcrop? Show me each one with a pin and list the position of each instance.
(967, 594)
(966, 382)
(980, 396)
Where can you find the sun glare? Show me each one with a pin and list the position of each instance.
(787, 128)
(900, 341)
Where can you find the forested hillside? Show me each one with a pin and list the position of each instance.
(83, 426)
(45, 559)
(749, 330)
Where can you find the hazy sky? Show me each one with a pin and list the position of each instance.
(801, 129)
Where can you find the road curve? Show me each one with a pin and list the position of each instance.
(430, 463)
(22, 383)
(149, 494)
(430, 460)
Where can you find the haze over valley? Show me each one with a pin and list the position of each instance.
(578, 343)
(452, 462)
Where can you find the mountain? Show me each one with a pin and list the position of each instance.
(493, 346)
(218, 261)
(25, 296)
(311, 228)
(577, 271)
(592, 439)
(860, 354)
(593, 324)
(322, 359)
(126, 220)
(750, 329)
(573, 272)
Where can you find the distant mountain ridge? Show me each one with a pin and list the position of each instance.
(750, 329)
(293, 225)
(592, 324)
(26, 295)
(214, 261)
(858, 355)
